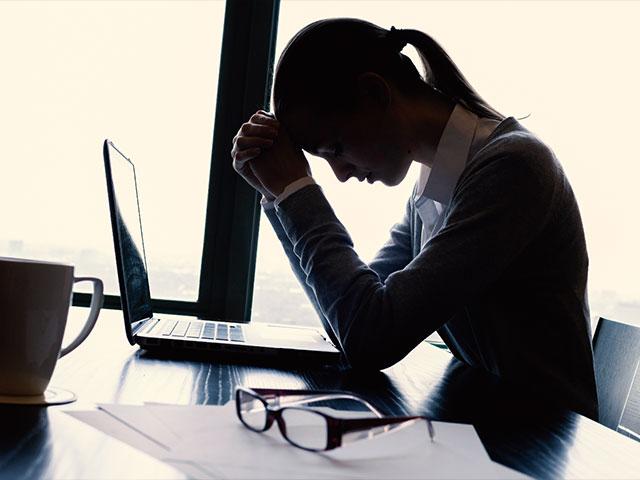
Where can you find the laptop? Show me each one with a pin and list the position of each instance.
(182, 333)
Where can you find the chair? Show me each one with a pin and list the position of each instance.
(616, 348)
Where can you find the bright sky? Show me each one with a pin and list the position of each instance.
(145, 75)
(577, 80)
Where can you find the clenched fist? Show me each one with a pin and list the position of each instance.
(265, 156)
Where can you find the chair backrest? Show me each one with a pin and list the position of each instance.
(616, 349)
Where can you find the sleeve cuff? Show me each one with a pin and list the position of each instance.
(292, 188)
(289, 190)
(267, 204)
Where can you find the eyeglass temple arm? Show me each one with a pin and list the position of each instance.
(314, 396)
(355, 424)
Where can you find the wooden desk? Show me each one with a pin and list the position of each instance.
(37, 442)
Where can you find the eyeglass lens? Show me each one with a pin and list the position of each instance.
(252, 411)
(305, 428)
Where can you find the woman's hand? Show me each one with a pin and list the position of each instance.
(280, 165)
(254, 136)
(265, 157)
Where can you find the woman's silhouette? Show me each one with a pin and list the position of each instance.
(490, 251)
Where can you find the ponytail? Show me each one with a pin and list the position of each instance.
(443, 75)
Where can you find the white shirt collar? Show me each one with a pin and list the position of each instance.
(439, 181)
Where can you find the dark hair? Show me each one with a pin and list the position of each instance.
(321, 63)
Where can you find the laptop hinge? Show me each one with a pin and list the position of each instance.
(137, 326)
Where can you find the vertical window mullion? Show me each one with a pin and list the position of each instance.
(233, 213)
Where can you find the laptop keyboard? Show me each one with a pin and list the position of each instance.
(205, 330)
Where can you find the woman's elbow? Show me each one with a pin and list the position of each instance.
(368, 357)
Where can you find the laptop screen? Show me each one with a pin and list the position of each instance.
(128, 237)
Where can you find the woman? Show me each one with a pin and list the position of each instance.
(491, 250)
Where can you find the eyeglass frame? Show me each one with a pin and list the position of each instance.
(336, 427)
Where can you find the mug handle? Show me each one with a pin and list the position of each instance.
(97, 299)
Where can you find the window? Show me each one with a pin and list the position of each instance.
(577, 81)
(143, 74)
(146, 74)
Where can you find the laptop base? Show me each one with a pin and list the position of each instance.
(241, 354)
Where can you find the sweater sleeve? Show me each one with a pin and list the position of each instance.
(496, 211)
(294, 262)
(393, 256)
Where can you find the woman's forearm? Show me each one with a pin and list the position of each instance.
(294, 261)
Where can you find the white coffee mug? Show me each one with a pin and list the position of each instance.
(35, 297)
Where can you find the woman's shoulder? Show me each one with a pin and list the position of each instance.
(513, 155)
(512, 142)
(512, 136)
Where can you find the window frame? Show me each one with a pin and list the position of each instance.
(233, 207)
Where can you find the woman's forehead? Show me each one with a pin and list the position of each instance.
(310, 131)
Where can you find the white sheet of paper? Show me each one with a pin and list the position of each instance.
(107, 424)
(463, 436)
(140, 419)
(184, 421)
(405, 453)
(104, 422)
(213, 438)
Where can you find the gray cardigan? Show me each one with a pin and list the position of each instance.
(502, 278)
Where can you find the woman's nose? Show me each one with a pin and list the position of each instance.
(342, 170)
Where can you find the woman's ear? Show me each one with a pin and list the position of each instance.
(373, 91)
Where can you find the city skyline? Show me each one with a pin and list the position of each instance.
(171, 282)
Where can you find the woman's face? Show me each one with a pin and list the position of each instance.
(363, 145)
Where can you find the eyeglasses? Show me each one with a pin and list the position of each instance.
(308, 428)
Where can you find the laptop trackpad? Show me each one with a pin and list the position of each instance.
(285, 336)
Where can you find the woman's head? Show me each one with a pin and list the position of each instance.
(345, 92)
